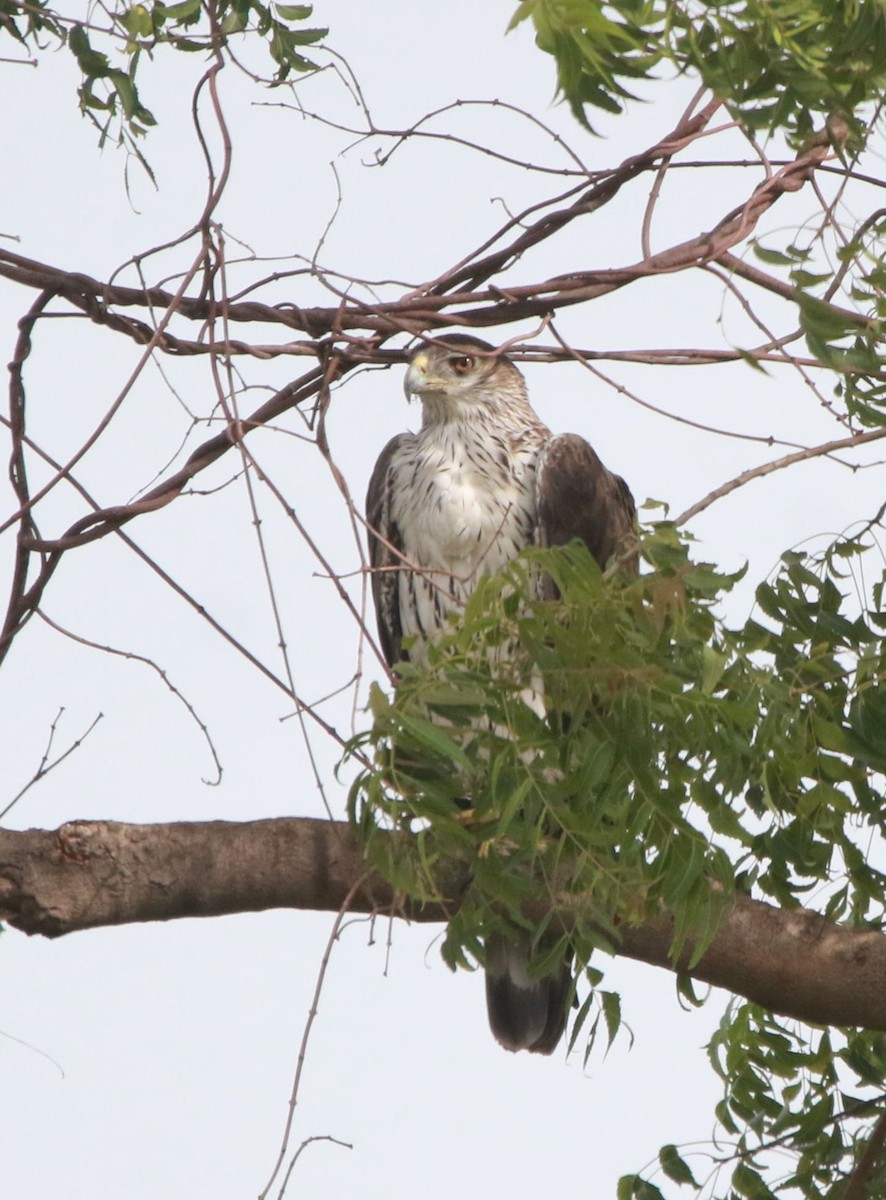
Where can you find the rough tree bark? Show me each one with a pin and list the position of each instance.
(94, 873)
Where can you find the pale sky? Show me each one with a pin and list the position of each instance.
(157, 1060)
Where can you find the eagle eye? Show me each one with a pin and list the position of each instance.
(461, 363)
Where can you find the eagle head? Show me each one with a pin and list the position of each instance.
(456, 372)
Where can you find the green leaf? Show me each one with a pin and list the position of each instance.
(714, 664)
(773, 258)
(675, 1167)
(432, 738)
(626, 1185)
(686, 990)
(749, 1183)
(93, 64)
(182, 12)
(294, 12)
(611, 1004)
(806, 279)
(644, 1190)
(137, 21)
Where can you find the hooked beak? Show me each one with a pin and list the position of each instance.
(416, 380)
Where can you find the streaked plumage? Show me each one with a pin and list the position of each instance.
(481, 480)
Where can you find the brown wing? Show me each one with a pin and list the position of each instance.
(385, 547)
(577, 497)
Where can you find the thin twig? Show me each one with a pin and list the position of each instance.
(45, 765)
(778, 464)
(306, 1034)
(131, 655)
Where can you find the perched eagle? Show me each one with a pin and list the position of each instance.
(481, 480)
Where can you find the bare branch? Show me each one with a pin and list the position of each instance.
(458, 295)
(131, 656)
(778, 464)
(109, 520)
(303, 1050)
(45, 766)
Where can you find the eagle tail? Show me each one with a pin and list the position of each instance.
(525, 1012)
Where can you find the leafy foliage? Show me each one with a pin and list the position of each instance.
(109, 55)
(785, 66)
(585, 798)
(672, 760)
(777, 63)
(850, 342)
(808, 1093)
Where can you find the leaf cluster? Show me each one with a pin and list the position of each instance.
(109, 56)
(776, 63)
(798, 1109)
(590, 760)
(621, 745)
(788, 1086)
(851, 344)
(530, 746)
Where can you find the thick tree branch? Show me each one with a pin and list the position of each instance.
(95, 873)
(456, 297)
